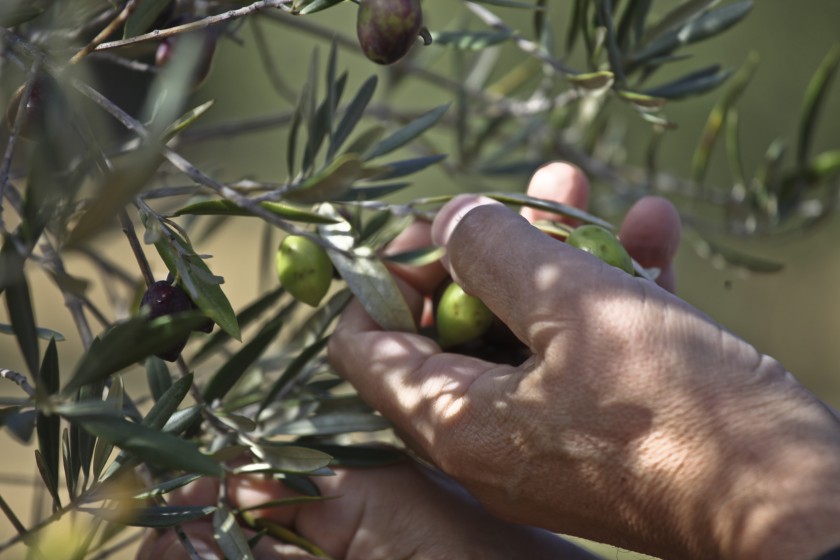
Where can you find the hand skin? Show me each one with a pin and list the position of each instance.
(638, 421)
(403, 511)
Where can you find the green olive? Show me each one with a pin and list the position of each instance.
(603, 244)
(388, 28)
(460, 317)
(304, 269)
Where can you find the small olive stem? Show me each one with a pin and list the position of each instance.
(203, 23)
(18, 379)
(136, 248)
(105, 32)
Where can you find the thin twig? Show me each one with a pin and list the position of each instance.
(136, 248)
(106, 32)
(18, 379)
(203, 23)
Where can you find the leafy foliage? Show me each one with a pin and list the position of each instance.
(258, 394)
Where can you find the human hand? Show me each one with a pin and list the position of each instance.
(398, 511)
(638, 421)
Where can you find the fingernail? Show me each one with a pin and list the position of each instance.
(452, 212)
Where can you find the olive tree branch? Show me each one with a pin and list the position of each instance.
(18, 379)
(106, 31)
(202, 23)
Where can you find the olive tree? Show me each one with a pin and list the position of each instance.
(86, 157)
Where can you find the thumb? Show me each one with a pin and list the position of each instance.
(525, 277)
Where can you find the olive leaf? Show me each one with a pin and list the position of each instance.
(143, 16)
(229, 535)
(152, 516)
(367, 277)
(228, 208)
(407, 133)
(196, 277)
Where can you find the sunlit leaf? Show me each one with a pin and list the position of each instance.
(228, 208)
(368, 278)
(229, 535)
(417, 257)
(354, 456)
(304, 7)
(292, 458)
(592, 80)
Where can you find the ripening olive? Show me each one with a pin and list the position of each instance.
(460, 317)
(161, 299)
(388, 28)
(603, 244)
(304, 269)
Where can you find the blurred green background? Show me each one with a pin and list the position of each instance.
(793, 315)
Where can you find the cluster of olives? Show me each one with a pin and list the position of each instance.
(165, 298)
(465, 324)
(387, 29)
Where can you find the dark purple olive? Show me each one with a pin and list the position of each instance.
(163, 299)
(387, 29)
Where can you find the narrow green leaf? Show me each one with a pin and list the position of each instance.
(677, 16)
(334, 423)
(471, 40)
(186, 120)
(102, 449)
(417, 257)
(168, 403)
(50, 481)
(329, 183)
(316, 325)
(709, 24)
(291, 458)
(153, 516)
(358, 456)
(49, 426)
(407, 133)
(520, 199)
(396, 169)
(604, 12)
(228, 208)
(695, 83)
(368, 278)
(19, 421)
(733, 146)
(641, 101)
(158, 376)
(69, 458)
(234, 367)
(229, 535)
(352, 115)
(286, 502)
(825, 164)
(592, 80)
(717, 117)
(304, 7)
(156, 447)
(43, 332)
(129, 342)
(374, 192)
(21, 315)
(166, 487)
(736, 258)
(509, 4)
(196, 277)
(143, 16)
(815, 95)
